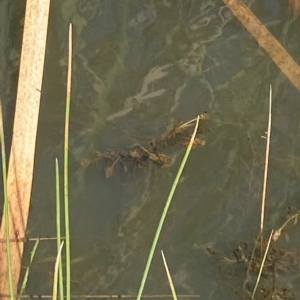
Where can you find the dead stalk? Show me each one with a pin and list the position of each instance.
(277, 232)
(263, 202)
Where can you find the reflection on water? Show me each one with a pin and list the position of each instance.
(138, 66)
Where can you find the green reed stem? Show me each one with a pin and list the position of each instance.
(66, 165)
(58, 228)
(32, 254)
(6, 206)
(164, 213)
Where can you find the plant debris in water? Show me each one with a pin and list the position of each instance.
(138, 156)
(279, 262)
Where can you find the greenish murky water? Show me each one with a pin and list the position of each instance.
(138, 67)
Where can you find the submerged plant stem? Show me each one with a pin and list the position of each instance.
(277, 233)
(24, 283)
(164, 213)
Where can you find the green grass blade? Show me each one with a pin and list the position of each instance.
(6, 206)
(24, 283)
(164, 213)
(66, 167)
(58, 228)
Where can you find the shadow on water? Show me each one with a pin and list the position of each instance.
(138, 67)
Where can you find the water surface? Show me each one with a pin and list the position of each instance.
(138, 67)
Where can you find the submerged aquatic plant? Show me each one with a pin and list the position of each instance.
(265, 259)
(137, 156)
